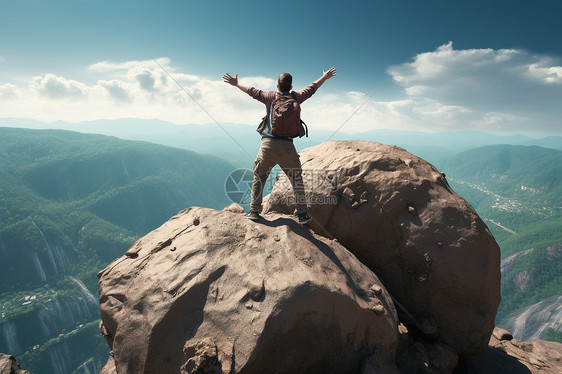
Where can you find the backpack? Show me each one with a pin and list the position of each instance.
(286, 117)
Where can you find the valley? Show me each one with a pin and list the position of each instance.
(516, 190)
(506, 204)
(70, 203)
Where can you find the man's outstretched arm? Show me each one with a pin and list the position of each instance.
(325, 76)
(253, 92)
(234, 82)
(305, 93)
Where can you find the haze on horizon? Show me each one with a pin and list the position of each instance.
(477, 65)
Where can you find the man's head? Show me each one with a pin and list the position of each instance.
(285, 82)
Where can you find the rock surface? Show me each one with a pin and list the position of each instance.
(9, 365)
(399, 216)
(511, 356)
(417, 355)
(211, 292)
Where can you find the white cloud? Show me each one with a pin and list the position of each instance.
(446, 89)
(509, 85)
(9, 91)
(53, 87)
(544, 71)
(108, 66)
(116, 89)
(146, 80)
(263, 83)
(134, 89)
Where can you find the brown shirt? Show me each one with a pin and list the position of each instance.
(267, 98)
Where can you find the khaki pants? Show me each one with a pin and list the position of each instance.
(283, 153)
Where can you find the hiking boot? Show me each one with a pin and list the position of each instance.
(304, 218)
(252, 216)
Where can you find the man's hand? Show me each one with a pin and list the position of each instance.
(329, 74)
(231, 80)
(325, 76)
(234, 81)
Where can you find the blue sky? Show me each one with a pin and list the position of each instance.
(435, 65)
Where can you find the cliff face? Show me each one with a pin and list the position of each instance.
(9, 365)
(532, 321)
(211, 292)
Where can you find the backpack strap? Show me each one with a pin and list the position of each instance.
(303, 130)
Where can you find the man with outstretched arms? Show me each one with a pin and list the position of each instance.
(277, 149)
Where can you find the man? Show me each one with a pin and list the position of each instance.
(278, 150)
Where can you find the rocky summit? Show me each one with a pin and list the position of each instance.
(399, 216)
(395, 274)
(212, 292)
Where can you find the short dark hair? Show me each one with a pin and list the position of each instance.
(285, 82)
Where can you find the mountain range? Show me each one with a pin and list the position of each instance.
(239, 143)
(71, 202)
(517, 190)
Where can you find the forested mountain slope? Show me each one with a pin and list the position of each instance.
(69, 204)
(517, 190)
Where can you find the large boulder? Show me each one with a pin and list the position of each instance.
(399, 216)
(211, 292)
(9, 365)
